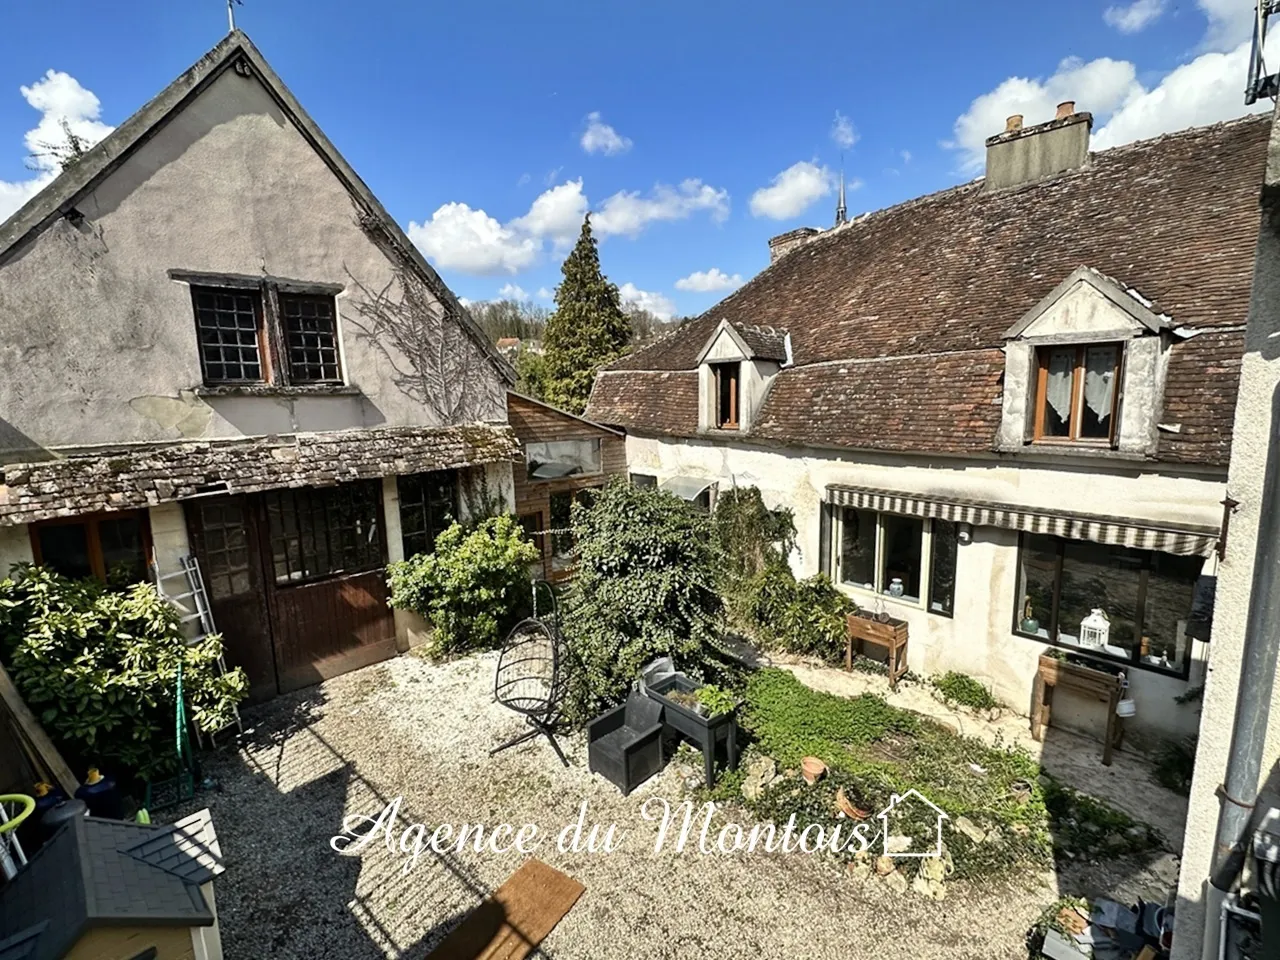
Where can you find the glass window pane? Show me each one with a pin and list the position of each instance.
(1171, 591)
(1100, 365)
(65, 548)
(942, 568)
(1058, 391)
(1037, 567)
(553, 459)
(1100, 577)
(644, 480)
(903, 536)
(123, 556)
(858, 548)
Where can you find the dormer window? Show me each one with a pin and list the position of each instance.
(1084, 372)
(1076, 395)
(728, 394)
(735, 368)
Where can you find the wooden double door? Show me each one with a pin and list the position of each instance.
(297, 581)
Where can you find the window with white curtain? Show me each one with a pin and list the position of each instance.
(1077, 392)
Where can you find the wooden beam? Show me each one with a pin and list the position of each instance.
(29, 728)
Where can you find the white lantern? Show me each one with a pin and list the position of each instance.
(1094, 629)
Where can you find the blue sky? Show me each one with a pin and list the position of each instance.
(694, 130)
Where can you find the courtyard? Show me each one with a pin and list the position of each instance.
(422, 731)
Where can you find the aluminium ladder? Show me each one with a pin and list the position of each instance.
(194, 610)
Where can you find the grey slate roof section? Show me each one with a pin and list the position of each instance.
(61, 195)
(23, 945)
(88, 876)
(189, 850)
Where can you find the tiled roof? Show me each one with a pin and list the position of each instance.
(903, 308)
(665, 402)
(767, 343)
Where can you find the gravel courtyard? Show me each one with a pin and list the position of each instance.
(420, 731)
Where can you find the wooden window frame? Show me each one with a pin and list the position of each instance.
(273, 334)
(93, 537)
(733, 371)
(1051, 627)
(1077, 394)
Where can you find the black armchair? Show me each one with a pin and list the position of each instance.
(625, 745)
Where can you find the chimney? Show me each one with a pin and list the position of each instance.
(784, 243)
(1025, 154)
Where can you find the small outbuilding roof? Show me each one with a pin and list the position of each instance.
(96, 872)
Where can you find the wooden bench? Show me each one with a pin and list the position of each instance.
(892, 635)
(1099, 684)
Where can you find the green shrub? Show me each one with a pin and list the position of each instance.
(962, 689)
(99, 667)
(716, 699)
(644, 587)
(750, 536)
(473, 588)
(796, 616)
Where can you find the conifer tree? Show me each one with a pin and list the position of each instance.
(588, 328)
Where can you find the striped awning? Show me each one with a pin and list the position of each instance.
(1184, 541)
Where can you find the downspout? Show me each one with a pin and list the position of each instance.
(1238, 817)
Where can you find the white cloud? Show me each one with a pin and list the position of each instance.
(61, 100)
(524, 179)
(1135, 16)
(660, 306)
(599, 137)
(510, 291)
(1100, 86)
(1205, 90)
(546, 294)
(628, 213)
(792, 191)
(556, 214)
(459, 238)
(843, 133)
(1230, 24)
(905, 155)
(709, 281)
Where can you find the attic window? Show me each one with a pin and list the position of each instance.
(1076, 392)
(311, 337)
(727, 394)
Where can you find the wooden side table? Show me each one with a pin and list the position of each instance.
(892, 635)
(1104, 686)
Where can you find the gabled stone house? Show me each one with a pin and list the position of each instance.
(994, 409)
(215, 340)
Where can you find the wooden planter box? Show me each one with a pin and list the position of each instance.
(1099, 684)
(891, 635)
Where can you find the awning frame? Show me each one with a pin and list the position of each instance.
(1116, 531)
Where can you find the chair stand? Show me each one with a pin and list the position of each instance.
(538, 728)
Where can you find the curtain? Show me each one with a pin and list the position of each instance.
(1100, 381)
(1058, 391)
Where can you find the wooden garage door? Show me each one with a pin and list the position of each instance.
(225, 537)
(327, 581)
(297, 582)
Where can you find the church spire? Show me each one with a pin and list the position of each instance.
(842, 212)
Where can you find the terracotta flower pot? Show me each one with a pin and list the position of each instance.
(812, 769)
(845, 806)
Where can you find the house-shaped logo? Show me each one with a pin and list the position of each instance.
(899, 843)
